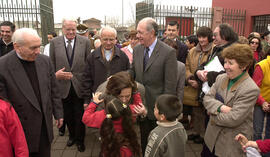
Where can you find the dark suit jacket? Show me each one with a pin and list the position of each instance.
(160, 74)
(16, 87)
(182, 51)
(59, 59)
(96, 72)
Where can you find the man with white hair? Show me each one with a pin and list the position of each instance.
(103, 62)
(28, 81)
(68, 54)
(154, 65)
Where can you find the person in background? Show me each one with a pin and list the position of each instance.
(169, 138)
(133, 41)
(242, 40)
(6, 45)
(230, 103)
(13, 142)
(196, 57)
(262, 108)
(256, 46)
(172, 32)
(82, 30)
(263, 39)
(47, 46)
(181, 72)
(254, 34)
(266, 48)
(191, 41)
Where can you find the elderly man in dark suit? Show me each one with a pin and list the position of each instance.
(68, 54)
(103, 62)
(28, 81)
(154, 66)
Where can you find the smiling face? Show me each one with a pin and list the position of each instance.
(145, 37)
(232, 68)
(6, 33)
(218, 41)
(172, 31)
(69, 29)
(203, 41)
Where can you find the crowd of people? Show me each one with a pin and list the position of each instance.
(139, 98)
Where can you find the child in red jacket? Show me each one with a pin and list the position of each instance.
(12, 139)
(118, 136)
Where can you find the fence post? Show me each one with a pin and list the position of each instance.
(217, 17)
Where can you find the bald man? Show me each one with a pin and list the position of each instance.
(103, 62)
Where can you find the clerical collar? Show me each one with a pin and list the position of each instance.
(20, 57)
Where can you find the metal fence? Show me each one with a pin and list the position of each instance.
(36, 14)
(189, 18)
(261, 23)
(236, 18)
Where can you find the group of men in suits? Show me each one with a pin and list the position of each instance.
(39, 87)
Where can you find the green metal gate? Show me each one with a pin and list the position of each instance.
(36, 14)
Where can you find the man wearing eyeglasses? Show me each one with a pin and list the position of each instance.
(102, 63)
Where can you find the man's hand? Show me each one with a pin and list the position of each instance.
(202, 75)
(59, 122)
(193, 83)
(225, 109)
(62, 75)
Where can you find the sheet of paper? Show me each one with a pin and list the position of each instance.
(213, 65)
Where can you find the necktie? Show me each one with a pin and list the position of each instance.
(146, 57)
(69, 49)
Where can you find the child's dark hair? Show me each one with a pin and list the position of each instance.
(193, 39)
(112, 140)
(169, 105)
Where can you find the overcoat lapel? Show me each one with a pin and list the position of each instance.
(78, 45)
(62, 53)
(42, 77)
(21, 79)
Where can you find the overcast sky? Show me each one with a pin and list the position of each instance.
(110, 8)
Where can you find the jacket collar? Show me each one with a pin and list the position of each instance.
(224, 85)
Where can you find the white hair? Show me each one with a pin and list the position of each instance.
(108, 28)
(68, 19)
(19, 35)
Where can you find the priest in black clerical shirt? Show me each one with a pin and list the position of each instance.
(28, 81)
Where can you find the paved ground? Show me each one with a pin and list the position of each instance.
(59, 148)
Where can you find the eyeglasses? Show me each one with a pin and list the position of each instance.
(252, 42)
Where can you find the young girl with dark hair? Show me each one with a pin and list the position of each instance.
(118, 136)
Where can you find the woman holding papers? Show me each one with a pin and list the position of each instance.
(230, 103)
(195, 58)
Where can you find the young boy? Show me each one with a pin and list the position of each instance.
(169, 137)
